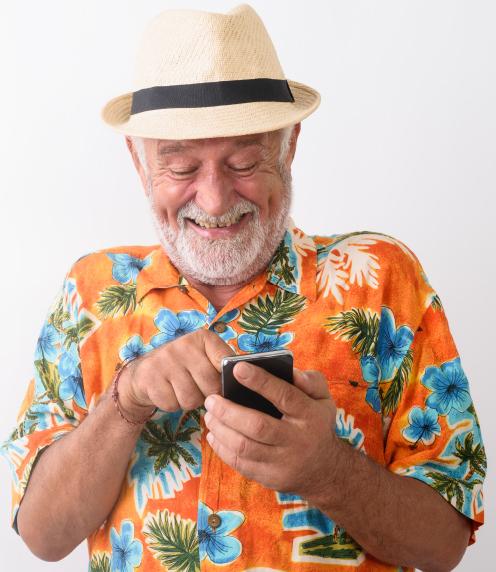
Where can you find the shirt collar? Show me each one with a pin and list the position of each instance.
(160, 273)
(294, 265)
(292, 268)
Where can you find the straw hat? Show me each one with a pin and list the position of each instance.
(202, 74)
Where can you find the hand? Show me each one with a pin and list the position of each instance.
(177, 375)
(290, 454)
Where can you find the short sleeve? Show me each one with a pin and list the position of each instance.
(433, 432)
(54, 403)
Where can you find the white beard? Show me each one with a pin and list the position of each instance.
(223, 261)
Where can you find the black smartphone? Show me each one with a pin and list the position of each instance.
(278, 363)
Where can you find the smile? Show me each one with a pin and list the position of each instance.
(221, 223)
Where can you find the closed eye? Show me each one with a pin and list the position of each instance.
(183, 172)
(243, 169)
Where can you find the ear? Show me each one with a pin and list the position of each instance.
(292, 144)
(137, 163)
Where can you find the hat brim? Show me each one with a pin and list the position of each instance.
(208, 122)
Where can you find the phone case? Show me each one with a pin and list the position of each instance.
(278, 363)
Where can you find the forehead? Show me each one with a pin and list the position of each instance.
(164, 147)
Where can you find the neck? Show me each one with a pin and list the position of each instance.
(218, 296)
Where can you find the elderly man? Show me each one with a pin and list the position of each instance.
(124, 437)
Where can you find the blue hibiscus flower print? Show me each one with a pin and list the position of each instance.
(134, 348)
(449, 387)
(423, 426)
(126, 268)
(46, 346)
(71, 386)
(228, 333)
(173, 326)
(217, 545)
(126, 551)
(371, 373)
(392, 344)
(263, 342)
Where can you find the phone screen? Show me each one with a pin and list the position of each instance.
(278, 363)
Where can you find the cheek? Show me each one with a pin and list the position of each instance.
(267, 197)
(265, 192)
(168, 199)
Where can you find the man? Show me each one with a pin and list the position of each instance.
(124, 437)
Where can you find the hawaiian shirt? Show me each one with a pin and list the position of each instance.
(357, 307)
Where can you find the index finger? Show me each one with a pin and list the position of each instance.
(285, 396)
(216, 349)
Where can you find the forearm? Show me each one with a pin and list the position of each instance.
(76, 482)
(396, 519)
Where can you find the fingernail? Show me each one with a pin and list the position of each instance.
(243, 370)
(210, 438)
(209, 402)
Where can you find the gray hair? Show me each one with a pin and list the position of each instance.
(285, 135)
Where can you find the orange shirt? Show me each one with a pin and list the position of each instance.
(357, 307)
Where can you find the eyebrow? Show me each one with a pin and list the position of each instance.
(178, 147)
(172, 148)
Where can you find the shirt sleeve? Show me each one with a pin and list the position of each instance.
(434, 434)
(54, 403)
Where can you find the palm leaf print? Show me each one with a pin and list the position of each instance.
(165, 444)
(50, 378)
(450, 487)
(59, 316)
(174, 541)
(474, 456)
(280, 262)
(348, 261)
(359, 326)
(74, 333)
(100, 563)
(117, 299)
(392, 396)
(436, 303)
(269, 314)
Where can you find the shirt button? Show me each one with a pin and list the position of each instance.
(214, 521)
(220, 327)
(183, 289)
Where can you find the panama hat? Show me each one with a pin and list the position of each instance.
(201, 75)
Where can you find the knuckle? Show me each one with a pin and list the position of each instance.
(259, 426)
(282, 398)
(169, 407)
(189, 400)
(242, 447)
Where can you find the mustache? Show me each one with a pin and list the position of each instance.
(192, 211)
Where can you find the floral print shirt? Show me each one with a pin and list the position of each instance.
(357, 307)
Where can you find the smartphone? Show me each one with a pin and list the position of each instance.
(278, 363)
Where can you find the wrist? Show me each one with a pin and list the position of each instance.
(329, 492)
(131, 405)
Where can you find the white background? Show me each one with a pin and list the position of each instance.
(403, 143)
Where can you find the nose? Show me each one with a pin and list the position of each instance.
(214, 190)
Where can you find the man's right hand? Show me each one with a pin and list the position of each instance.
(178, 375)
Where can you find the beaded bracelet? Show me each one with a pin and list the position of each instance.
(115, 398)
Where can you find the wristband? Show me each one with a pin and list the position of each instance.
(115, 398)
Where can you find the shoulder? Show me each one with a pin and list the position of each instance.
(101, 261)
(370, 266)
(97, 271)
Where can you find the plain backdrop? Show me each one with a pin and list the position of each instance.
(403, 143)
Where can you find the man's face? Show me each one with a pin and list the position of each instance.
(220, 206)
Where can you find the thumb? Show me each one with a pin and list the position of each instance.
(313, 383)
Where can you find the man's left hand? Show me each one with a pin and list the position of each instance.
(290, 454)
